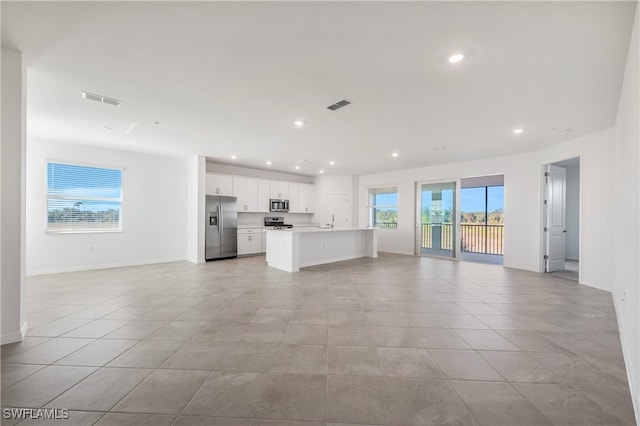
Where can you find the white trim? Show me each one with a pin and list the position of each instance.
(103, 266)
(634, 384)
(15, 337)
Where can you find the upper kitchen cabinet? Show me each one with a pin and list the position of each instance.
(252, 194)
(294, 198)
(306, 198)
(279, 190)
(245, 189)
(301, 198)
(263, 196)
(219, 184)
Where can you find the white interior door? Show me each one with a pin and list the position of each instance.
(337, 210)
(555, 227)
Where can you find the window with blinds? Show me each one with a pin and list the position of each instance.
(83, 199)
(383, 207)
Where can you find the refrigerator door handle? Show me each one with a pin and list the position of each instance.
(221, 220)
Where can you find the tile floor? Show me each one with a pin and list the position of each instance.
(398, 340)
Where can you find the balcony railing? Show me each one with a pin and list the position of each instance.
(386, 224)
(446, 239)
(477, 238)
(474, 238)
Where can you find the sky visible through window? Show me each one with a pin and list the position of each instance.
(472, 199)
(386, 199)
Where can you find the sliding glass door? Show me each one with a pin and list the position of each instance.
(437, 219)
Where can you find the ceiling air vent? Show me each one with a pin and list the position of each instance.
(102, 99)
(338, 105)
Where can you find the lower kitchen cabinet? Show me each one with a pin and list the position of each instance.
(250, 241)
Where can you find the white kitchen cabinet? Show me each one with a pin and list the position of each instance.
(245, 189)
(279, 189)
(250, 241)
(294, 198)
(219, 184)
(306, 198)
(301, 198)
(263, 238)
(263, 196)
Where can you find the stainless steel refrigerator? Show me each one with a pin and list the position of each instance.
(222, 228)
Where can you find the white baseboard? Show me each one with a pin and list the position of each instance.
(634, 381)
(405, 253)
(14, 337)
(32, 273)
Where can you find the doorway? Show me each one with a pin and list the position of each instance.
(437, 222)
(482, 219)
(561, 219)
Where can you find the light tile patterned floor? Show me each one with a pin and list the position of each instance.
(397, 340)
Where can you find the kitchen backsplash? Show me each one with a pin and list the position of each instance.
(258, 218)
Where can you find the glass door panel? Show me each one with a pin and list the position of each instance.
(438, 221)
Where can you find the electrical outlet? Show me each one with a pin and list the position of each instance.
(90, 249)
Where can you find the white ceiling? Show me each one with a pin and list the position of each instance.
(225, 78)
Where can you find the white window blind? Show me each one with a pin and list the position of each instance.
(82, 198)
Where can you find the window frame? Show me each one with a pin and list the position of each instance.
(48, 196)
(373, 207)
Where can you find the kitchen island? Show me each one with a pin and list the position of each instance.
(292, 249)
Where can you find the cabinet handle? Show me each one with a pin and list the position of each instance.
(249, 238)
(217, 190)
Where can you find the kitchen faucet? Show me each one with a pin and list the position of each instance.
(333, 219)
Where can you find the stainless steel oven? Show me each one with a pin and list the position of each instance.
(278, 205)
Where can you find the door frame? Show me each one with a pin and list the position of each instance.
(543, 214)
(417, 193)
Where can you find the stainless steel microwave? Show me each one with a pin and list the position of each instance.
(279, 205)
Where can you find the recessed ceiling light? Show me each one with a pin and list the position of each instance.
(518, 131)
(106, 129)
(456, 58)
(321, 171)
(395, 154)
(332, 163)
(233, 157)
(297, 167)
(268, 163)
(299, 123)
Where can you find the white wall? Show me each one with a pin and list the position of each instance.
(229, 169)
(154, 211)
(335, 185)
(572, 248)
(625, 217)
(12, 202)
(523, 203)
(196, 190)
